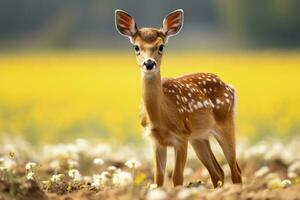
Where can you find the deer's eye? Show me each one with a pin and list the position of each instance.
(136, 48)
(161, 48)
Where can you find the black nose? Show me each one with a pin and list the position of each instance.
(149, 64)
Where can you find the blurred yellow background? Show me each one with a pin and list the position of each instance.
(62, 95)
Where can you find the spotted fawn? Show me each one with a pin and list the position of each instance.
(176, 111)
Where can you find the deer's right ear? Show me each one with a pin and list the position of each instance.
(125, 24)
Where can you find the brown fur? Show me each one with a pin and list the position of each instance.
(181, 110)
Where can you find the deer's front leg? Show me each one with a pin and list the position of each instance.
(180, 160)
(160, 159)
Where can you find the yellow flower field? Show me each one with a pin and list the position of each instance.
(59, 96)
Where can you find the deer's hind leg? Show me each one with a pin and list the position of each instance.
(225, 135)
(206, 156)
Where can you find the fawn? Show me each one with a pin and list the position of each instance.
(176, 111)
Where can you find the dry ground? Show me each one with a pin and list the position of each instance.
(270, 168)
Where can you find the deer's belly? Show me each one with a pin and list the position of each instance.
(164, 138)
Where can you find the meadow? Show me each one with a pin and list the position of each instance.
(60, 96)
(69, 126)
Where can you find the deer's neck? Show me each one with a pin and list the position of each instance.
(153, 97)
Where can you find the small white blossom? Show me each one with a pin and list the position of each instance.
(294, 169)
(96, 184)
(98, 161)
(112, 168)
(105, 178)
(153, 186)
(271, 176)
(187, 193)
(157, 194)
(30, 176)
(75, 174)
(30, 166)
(262, 171)
(9, 164)
(285, 183)
(96, 181)
(57, 178)
(133, 164)
(122, 178)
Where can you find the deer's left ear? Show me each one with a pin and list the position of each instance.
(125, 24)
(172, 23)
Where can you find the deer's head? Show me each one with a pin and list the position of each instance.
(149, 42)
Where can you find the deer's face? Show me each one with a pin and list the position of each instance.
(148, 46)
(149, 43)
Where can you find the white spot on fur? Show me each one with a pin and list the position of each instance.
(218, 101)
(199, 104)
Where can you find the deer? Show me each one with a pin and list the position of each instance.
(182, 110)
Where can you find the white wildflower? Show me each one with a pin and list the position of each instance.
(30, 176)
(271, 176)
(187, 193)
(122, 178)
(294, 169)
(96, 184)
(112, 168)
(57, 178)
(262, 171)
(285, 183)
(96, 181)
(105, 178)
(75, 174)
(98, 161)
(157, 194)
(153, 186)
(133, 164)
(30, 166)
(9, 164)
